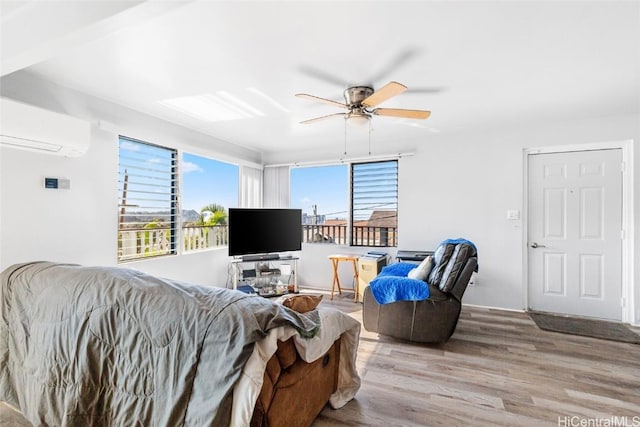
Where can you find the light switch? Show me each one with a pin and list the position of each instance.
(513, 214)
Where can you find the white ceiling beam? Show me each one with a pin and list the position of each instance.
(35, 31)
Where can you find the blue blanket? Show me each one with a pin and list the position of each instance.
(392, 284)
(459, 241)
(397, 269)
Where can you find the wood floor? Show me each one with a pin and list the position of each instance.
(497, 369)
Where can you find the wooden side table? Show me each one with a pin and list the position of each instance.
(335, 260)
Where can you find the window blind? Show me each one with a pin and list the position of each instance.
(148, 200)
(374, 203)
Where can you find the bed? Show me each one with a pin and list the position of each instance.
(114, 346)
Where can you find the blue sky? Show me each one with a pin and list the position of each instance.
(324, 186)
(206, 181)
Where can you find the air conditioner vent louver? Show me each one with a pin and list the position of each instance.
(32, 128)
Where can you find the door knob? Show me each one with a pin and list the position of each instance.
(535, 245)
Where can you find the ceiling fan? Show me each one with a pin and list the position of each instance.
(360, 100)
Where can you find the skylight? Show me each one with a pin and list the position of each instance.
(267, 98)
(221, 106)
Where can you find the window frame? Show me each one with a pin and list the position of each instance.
(384, 237)
(191, 241)
(142, 237)
(321, 233)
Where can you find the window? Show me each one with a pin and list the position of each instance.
(374, 203)
(322, 192)
(209, 189)
(148, 204)
(371, 209)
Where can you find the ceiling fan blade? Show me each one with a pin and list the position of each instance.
(387, 91)
(397, 112)
(433, 89)
(317, 119)
(317, 98)
(395, 63)
(323, 75)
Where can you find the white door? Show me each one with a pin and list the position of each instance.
(574, 233)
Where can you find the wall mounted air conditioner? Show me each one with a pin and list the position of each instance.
(32, 128)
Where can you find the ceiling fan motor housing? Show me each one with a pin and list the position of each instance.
(355, 95)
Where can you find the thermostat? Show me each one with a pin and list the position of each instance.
(56, 183)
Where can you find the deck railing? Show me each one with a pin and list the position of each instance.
(319, 233)
(135, 243)
(196, 237)
(362, 235)
(147, 242)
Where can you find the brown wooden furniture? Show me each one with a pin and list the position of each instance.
(290, 382)
(335, 260)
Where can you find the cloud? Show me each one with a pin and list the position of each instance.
(191, 167)
(129, 146)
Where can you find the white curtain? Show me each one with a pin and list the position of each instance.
(250, 187)
(276, 187)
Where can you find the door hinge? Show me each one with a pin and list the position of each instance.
(623, 167)
(623, 302)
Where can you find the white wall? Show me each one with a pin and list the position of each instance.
(75, 225)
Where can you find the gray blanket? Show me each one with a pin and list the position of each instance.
(82, 346)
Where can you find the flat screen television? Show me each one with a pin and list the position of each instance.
(264, 231)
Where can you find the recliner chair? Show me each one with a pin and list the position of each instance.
(434, 319)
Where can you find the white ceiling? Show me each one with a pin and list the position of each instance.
(475, 65)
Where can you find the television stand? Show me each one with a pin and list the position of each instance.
(266, 279)
(260, 257)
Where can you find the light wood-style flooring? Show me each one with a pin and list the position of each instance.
(498, 369)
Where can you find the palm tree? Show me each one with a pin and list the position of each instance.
(218, 215)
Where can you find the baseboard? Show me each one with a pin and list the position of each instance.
(489, 307)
